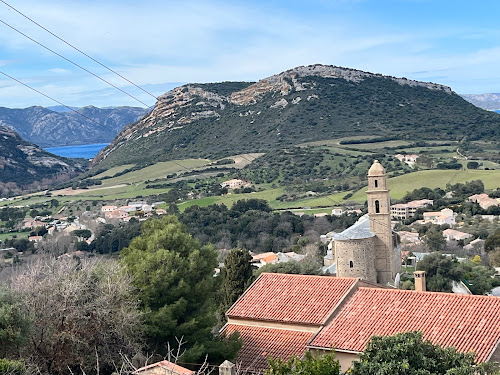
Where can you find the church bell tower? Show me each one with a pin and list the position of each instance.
(380, 223)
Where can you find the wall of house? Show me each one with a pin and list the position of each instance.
(274, 324)
(345, 359)
(495, 357)
(360, 253)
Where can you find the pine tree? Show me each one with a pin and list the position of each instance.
(237, 275)
(174, 277)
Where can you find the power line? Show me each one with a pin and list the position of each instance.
(74, 63)
(77, 49)
(47, 96)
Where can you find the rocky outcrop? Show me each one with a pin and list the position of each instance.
(187, 114)
(24, 165)
(49, 128)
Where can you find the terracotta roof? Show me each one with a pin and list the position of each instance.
(169, 367)
(468, 323)
(291, 298)
(259, 343)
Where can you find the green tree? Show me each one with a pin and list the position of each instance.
(8, 367)
(441, 271)
(310, 365)
(434, 240)
(14, 324)
(493, 241)
(174, 277)
(479, 279)
(409, 354)
(236, 275)
(472, 165)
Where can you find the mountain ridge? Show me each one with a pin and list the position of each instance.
(303, 104)
(50, 128)
(25, 166)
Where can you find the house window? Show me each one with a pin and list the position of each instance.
(351, 264)
(377, 207)
(376, 183)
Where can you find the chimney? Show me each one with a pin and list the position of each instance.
(419, 281)
(227, 368)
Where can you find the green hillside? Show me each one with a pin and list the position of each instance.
(216, 120)
(25, 166)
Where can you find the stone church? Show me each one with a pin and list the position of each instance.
(369, 249)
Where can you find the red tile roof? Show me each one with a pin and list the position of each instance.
(169, 367)
(468, 323)
(292, 298)
(259, 343)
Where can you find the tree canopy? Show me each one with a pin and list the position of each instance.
(174, 277)
(409, 354)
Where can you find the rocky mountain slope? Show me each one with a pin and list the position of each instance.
(49, 128)
(490, 102)
(25, 166)
(307, 103)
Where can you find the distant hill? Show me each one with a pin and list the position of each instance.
(25, 166)
(490, 102)
(308, 103)
(62, 127)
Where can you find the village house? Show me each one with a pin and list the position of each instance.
(30, 223)
(452, 234)
(445, 216)
(409, 238)
(108, 208)
(404, 211)
(484, 201)
(284, 315)
(163, 368)
(408, 159)
(116, 214)
(235, 184)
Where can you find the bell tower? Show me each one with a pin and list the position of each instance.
(380, 223)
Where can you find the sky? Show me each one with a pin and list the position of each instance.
(162, 44)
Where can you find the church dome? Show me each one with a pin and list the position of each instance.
(376, 169)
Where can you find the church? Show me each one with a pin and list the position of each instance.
(369, 249)
(283, 315)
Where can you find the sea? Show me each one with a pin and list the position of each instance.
(79, 151)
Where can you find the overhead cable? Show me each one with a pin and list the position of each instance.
(74, 63)
(77, 49)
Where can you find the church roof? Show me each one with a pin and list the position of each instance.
(301, 299)
(468, 323)
(359, 230)
(263, 342)
(376, 169)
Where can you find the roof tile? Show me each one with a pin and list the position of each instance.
(291, 298)
(259, 343)
(468, 323)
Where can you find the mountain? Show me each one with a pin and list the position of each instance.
(49, 128)
(62, 109)
(304, 104)
(25, 166)
(490, 102)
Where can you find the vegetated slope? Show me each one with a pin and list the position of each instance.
(48, 128)
(300, 105)
(25, 166)
(489, 101)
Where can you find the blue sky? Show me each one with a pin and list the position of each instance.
(162, 44)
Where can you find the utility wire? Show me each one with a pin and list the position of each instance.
(74, 63)
(77, 49)
(41, 93)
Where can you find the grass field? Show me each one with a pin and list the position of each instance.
(434, 179)
(4, 236)
(158, 170)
